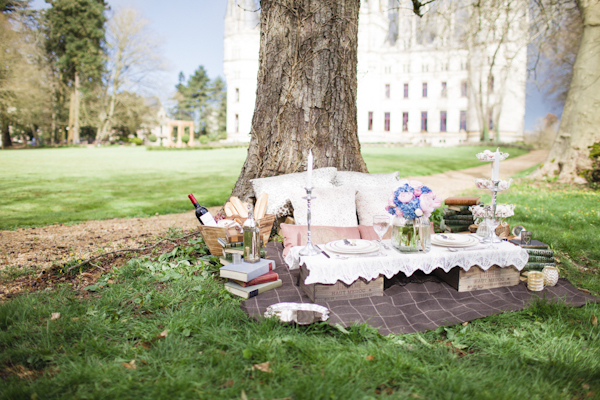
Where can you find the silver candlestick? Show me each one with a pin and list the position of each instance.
(309, 249)
(493, 221)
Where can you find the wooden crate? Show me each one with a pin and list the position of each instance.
(318, 292)
(477, 279)
(211, 233)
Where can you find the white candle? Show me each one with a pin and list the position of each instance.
(496, 165)
(309, 166)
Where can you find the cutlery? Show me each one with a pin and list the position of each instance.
(348, 243)
(322, 251)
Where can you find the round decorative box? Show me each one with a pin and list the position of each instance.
(535, 281)
(550, 275)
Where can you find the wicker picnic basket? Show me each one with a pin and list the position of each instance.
(210, 234)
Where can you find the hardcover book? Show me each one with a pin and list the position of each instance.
(223, 242)
(268, 277)
(534, 244)
(462, 201)
(540, 259)
(457, 210)
(459, 217)
(458, 222)
(245, 271)
(540, 252)
(539, 266)
(233, 250)
(251, 291)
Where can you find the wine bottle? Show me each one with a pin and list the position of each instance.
(203, 215)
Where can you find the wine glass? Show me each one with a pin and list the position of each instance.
(381, 223)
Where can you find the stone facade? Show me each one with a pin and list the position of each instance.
(415, 78)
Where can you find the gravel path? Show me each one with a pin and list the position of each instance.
(39, 248)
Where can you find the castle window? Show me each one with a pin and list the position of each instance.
(386, 124)
(370, 121)
(387, 91)
(237, 95)
(406, 90)
(463, 120)
(424, 89)
(237, 123)
(463, 89)
(443, 121)
(444, 93)
(404, 122)
(424, 121)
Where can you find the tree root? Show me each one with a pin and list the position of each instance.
(136, 250)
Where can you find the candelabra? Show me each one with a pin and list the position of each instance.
(309, 249)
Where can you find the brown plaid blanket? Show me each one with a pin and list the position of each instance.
(413, 304)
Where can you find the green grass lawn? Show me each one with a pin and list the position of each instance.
(548, 351)
(50, 186)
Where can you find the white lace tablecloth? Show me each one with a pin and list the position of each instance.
(329, 270)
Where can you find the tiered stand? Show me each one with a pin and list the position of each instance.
(492, 222)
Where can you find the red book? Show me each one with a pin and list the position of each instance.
(268, 277)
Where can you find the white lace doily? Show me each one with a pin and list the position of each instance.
(329, 270)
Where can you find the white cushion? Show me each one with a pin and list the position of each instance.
(356, 179)
(372, 200)
(279, 188)
(335, 206)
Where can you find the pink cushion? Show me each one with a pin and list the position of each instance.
(295, 235)
(368, 233)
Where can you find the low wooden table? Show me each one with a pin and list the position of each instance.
(355, 277)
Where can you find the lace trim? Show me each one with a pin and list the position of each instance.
(329, 270)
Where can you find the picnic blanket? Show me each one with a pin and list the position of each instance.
(414, 304)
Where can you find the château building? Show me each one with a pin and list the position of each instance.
(420, 80)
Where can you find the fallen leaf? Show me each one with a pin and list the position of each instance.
(586, 386)
(163, 334)
(370, 358)
(465, 323)
(200, 352)
(594, 320)
(54, 315)
(129, 365)
(146, 345)
(74, 319)
(229, 383)
(264, 367)
(243, 395)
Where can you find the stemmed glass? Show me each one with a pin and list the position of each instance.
(381, 223)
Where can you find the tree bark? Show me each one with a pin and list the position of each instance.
(76, 109)
(580, 125)
(306, 92)
(4, 127)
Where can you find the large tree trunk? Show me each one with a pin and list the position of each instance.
(306, 93)
(76, 109)
(5, 131)
(580, 125)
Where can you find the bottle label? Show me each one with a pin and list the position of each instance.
(208, 220)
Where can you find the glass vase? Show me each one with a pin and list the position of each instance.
(411, 235)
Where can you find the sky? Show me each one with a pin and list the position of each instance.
(192, 31)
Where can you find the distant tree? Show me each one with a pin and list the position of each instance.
(219, 104)
(134, 55)
(9, 6)
(75, 40)
(201, 100)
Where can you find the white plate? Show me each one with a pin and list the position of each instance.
(451, 238)
(362, 247)
(471, 241)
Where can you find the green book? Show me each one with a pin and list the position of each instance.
(540, 259)
(225, 244)
(462, 222)
(460, 217)
(539, 266)
(540, 252)
(455, 212)
(455, 229)
(251, 291)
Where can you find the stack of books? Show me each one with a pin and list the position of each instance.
(250, 279)
(457, 216)
(229, 248)
(540, 255)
